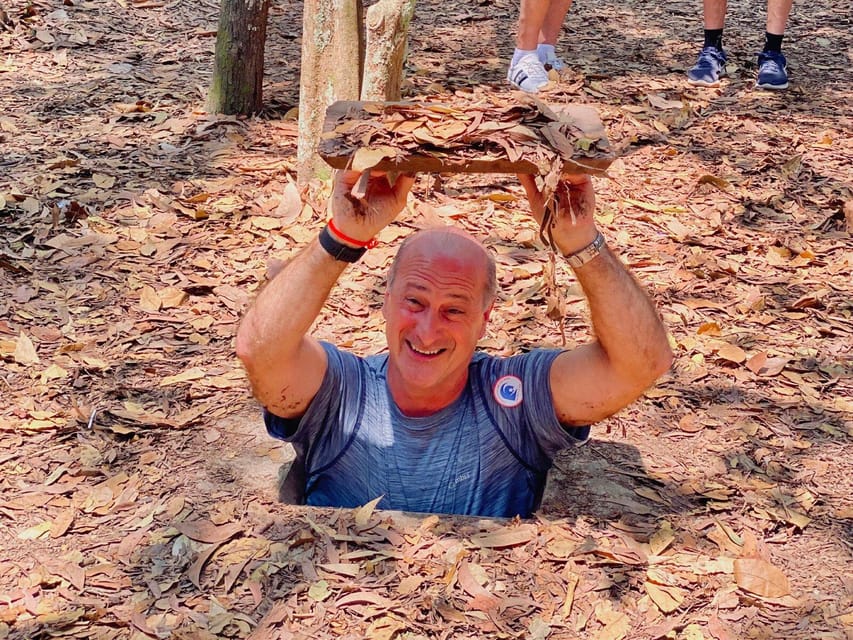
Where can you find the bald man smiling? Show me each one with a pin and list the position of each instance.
(433, 424)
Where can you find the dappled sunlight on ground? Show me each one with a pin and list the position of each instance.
(138, 485)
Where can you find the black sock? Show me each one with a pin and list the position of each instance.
(713, 38)
(772, 42)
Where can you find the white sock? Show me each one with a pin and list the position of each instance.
(519, 54)
(546, 51)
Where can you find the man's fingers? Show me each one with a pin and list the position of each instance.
(347, 177)
(359, 189)
(357, 184)
(403, 184)
(529, 183)
(577, 178)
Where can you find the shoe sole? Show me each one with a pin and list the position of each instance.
(702, 83)
(544, 87)
(772, 87)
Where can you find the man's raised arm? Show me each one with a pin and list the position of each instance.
(284, 364)
(598, 379)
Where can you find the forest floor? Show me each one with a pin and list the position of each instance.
(137, 485)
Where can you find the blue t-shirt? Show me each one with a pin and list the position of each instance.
(487, 454)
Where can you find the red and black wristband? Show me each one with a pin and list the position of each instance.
(340, 251)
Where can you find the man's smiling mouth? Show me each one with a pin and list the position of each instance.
(423, 352)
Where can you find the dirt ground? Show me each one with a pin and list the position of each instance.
(138, 485)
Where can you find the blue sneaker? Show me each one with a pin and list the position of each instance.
(709, 68)
(772, 70)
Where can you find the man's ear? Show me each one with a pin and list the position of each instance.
(486, 315)
(385, 302)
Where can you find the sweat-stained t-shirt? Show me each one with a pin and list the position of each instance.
(487, 454)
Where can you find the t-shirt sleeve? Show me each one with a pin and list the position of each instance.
(526, 414)
(322, 430)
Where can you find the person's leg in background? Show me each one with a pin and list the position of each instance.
(711, 63)
(772, 65)
(549, 33)
(526, 71)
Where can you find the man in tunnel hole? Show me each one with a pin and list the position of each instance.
(433, 424)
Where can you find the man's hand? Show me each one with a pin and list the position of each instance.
(573, 225)
(362, 205)
(631, 349)
(285, 364)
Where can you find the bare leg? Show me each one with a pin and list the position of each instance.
(714, 12)
(553, 22)
(531, 16)
(777, 15)
(527, 70)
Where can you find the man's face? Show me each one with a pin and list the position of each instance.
(435, 313)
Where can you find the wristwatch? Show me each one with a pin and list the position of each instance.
(590, 251)
(338, 250)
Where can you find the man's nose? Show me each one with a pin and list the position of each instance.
(430, 327)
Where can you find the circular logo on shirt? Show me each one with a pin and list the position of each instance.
(508, 391)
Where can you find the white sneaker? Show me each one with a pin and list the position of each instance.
(528, 74)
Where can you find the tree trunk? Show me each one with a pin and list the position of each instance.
(385, 49)
(238, 68)
(332, 42)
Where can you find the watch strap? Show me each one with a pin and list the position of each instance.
(338, 250)
(590, 251)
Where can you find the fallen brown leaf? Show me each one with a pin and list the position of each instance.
(758, 576)
(509, 537)
(205, 531)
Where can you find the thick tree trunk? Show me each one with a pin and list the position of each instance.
(385, 49)
(332, 42)
(238, 69)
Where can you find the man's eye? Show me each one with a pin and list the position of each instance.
(413, 302)
(456, 312)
